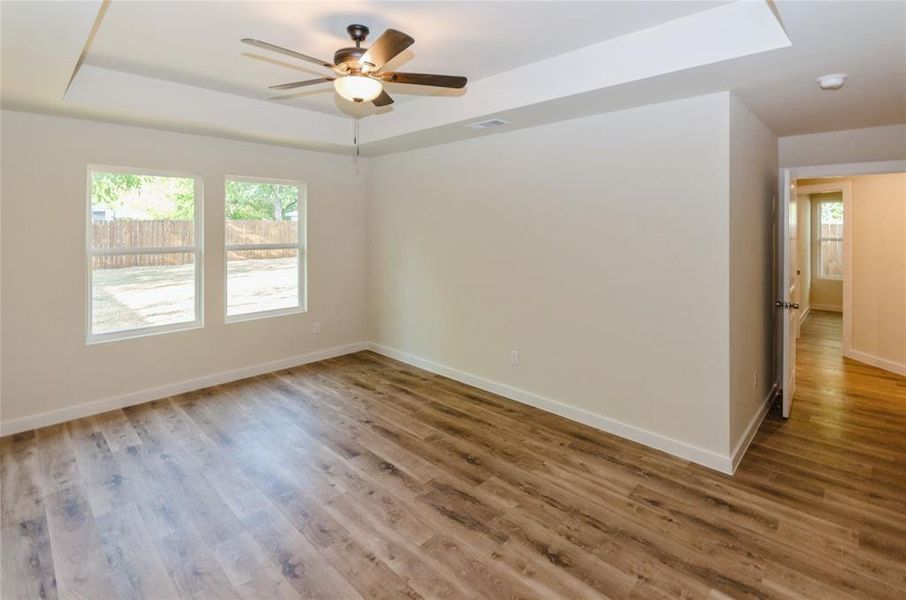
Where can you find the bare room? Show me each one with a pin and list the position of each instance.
(453, 299)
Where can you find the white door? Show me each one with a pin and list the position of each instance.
(787, 288)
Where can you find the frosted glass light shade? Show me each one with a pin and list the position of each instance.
(356, 88)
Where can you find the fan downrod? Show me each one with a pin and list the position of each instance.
(358, 33)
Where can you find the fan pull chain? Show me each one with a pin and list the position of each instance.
(355, 142)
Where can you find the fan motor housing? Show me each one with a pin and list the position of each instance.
(348, 58)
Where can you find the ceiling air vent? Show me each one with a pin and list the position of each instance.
(489, 124)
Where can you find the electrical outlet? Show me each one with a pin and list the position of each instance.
(316, 328)
(514, 357)
(755, 379)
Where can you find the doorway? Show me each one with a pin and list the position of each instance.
(820, 225)
(821, 249)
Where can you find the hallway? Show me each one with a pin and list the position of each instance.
(842, 452)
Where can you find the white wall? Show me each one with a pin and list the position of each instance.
(872, 144)
(46, 364)
(596, 247)
(878, 226)
(608, 250)
(753, 193)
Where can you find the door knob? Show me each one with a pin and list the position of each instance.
(789, 305)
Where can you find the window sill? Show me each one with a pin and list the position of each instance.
(266, 314)
(115, 336)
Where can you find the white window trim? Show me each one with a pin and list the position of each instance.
(819, 239)
(197, 250)
(301, 246)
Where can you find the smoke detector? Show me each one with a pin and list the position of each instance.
(834, 81)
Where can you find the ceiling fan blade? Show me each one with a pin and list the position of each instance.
(390, 44)
(445, 81)
(383, 100)
(287, 52)
(298, 84)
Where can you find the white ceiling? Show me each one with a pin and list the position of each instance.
(474, 39)
(180, 65)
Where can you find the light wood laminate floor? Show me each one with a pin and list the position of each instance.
(363, 477)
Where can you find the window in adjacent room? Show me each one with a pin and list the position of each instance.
(143, 259)
(265, 247)
(830, 239)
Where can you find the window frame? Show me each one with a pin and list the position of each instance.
(197, 249)
(819, 239)
(301, 247)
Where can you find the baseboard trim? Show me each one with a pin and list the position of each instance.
(100, 406)
(743, 445)
(876, 361)
(805, 314)
(700, 456)
(827, 307)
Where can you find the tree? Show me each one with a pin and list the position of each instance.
(144, 196)
(254, 201)
(173, 198)
(107, 189)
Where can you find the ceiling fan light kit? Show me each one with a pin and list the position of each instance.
(356, 88)
(360, 76)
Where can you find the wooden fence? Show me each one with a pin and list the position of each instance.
(161, 233)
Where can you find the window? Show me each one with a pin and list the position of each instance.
(143, 259)
(830, 239)
(265, 248)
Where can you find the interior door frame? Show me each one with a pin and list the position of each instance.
(800, 227)
(791, 174)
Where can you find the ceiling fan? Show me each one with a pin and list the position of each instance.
(359, 75)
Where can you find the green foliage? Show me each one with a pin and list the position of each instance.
(107, 189)
(173, 198)
(144, 196)
(253, 201)
(831, 212)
